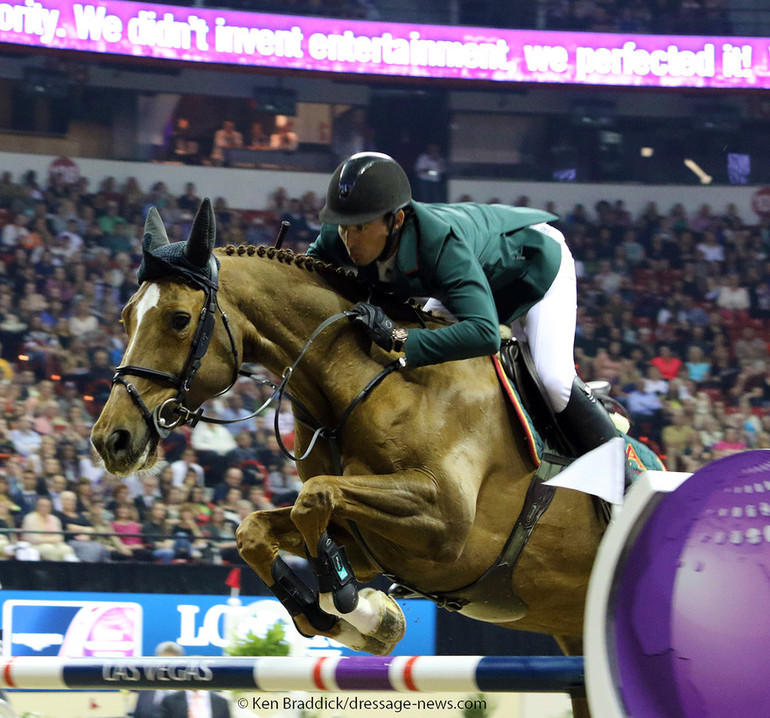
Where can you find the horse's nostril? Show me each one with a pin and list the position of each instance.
(118, 441)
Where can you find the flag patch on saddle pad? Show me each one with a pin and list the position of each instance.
(638, 455)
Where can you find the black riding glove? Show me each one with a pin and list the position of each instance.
(377, 325)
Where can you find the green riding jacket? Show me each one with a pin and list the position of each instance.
(485, 263)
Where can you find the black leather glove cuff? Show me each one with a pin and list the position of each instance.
(377, 325)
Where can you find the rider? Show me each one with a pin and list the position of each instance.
(486, 264)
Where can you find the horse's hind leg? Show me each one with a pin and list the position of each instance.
(260, 538)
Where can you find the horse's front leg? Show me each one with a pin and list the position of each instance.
(408, 508)
(260, 538)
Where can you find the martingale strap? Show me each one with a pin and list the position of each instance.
(319, 430)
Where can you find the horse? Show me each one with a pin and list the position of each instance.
(422, 478)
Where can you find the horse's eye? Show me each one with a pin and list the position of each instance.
(180, 321)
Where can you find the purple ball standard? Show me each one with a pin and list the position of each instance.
(692, 601)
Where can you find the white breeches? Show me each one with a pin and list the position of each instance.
(550, 328)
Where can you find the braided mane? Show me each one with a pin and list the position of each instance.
(344, 281)
(303, 261)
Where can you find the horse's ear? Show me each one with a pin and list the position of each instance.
(154, 231)
(203, 235)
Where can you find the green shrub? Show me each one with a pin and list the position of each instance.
(273, 644)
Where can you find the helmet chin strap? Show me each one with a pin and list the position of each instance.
(394, 231)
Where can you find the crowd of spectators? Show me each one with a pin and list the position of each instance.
(350, 9)
(674, 314)
(68, 259)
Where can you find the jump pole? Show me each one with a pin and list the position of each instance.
(435, 674)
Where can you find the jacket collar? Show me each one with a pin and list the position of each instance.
(425, 222)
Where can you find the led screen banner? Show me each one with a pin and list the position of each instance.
(110, 625)
(378, 48)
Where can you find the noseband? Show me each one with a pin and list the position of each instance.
(177, 405)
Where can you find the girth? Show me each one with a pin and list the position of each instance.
(492, 597)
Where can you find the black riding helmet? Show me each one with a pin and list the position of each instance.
(366, 186)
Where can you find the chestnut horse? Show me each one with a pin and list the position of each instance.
(422, 479)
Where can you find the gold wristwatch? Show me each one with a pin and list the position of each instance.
(399, 337)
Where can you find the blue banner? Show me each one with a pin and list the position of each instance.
(114, 625)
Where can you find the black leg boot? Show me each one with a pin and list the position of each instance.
(586, 423)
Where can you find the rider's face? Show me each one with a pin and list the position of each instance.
(365, 242)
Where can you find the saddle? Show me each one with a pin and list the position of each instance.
(516, 360)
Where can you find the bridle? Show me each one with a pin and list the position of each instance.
(177, 405)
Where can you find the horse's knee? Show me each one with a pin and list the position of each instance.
(252, 541)
(247, 528)
(314, 497)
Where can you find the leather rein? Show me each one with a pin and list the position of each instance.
(161, 424)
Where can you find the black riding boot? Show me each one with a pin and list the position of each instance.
(586, 423)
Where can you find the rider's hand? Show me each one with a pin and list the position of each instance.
(376, 324)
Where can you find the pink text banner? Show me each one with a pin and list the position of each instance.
(377, 48)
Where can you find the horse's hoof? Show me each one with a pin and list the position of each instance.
(368, 644)
(348, 635)
(390, 628)
(377, 648)
(392, 621)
